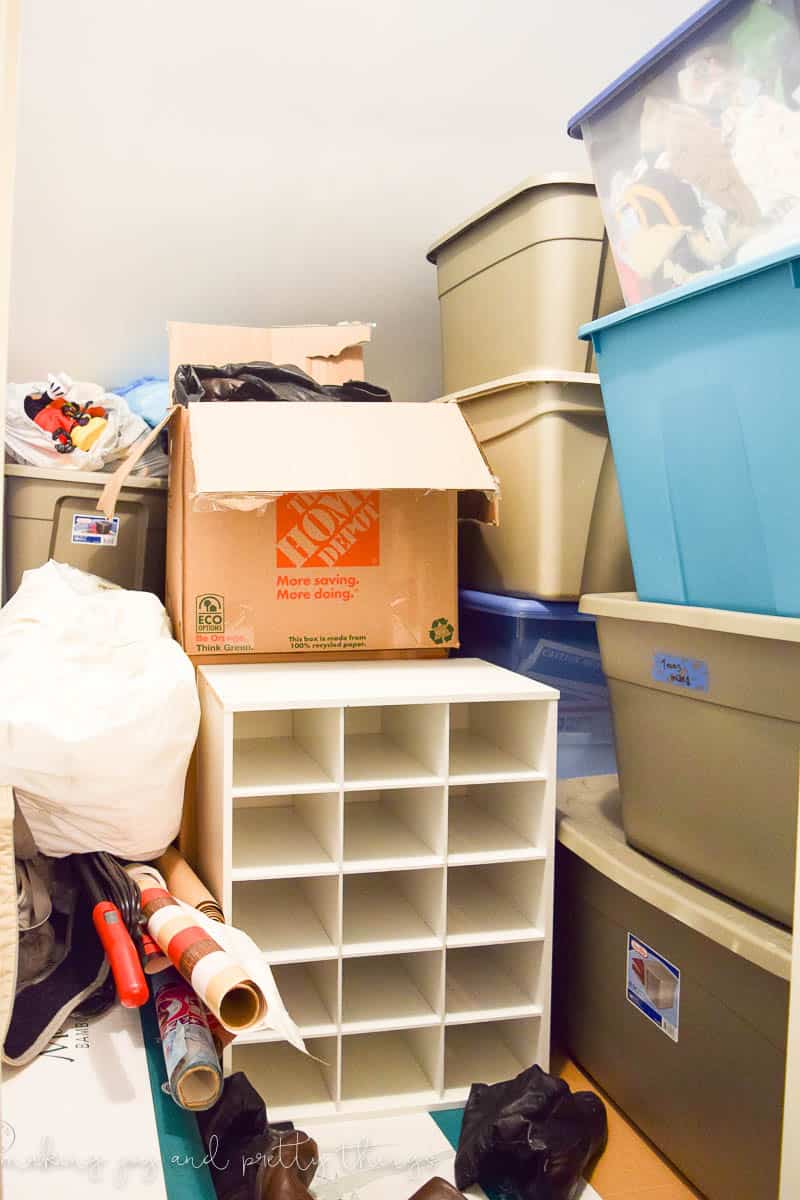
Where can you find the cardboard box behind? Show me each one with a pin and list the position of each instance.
(312, 528)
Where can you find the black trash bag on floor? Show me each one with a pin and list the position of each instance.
(265, 381)
(530, 1136)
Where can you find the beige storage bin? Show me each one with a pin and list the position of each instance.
(518, 278)
(545, 437)
(49, 512)
(711, 1100)
(706, 712)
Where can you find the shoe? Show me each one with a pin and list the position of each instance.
(290, 1164)
(572, 1137)
(497, 1119)
(437, 1189)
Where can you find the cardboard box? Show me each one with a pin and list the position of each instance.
(313, 528)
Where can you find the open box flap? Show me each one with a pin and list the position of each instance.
(266, 449)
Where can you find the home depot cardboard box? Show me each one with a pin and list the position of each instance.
(313, 528)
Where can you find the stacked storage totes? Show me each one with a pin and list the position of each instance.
(512, 280)
(702, 662)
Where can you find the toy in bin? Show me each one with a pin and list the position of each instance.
(71, 426)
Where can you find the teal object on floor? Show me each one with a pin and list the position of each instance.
(702, 398)
(186, 1173)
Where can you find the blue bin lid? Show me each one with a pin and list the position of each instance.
(648, 63)
(790, 254)
(519, 606)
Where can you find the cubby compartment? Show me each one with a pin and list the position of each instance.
(293, 751)
(497, 821)
(292, 1084)
(279, 836)
(382, 1070)
(392, 992)
(393, 911)
(310, 992)
(486, 982)
(394, 746)
(502, 902)
(489, 1053)
(402, 827)
(290, 920)
(496, 741)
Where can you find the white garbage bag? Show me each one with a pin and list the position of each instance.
(66, 423)
(98, 714)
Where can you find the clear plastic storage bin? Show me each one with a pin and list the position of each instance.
(696, 148)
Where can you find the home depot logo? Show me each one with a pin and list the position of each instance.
(320, 529)
(210, 614)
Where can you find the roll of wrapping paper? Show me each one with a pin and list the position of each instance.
(190, 1056)
(182, 883)
(220, 982)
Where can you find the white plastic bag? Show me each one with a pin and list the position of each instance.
(98, 714)
(27, 443)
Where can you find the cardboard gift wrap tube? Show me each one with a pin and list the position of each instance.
(220, 982)
(185, 885)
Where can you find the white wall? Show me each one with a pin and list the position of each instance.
(279, 161)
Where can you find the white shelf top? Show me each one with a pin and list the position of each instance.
(257, 687)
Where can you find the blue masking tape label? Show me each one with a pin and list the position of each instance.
(653, 985)
(691, 673)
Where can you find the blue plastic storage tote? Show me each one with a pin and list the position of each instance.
(695, 148)
(556, 644)
(702, 399)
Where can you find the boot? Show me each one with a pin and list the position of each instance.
(290, 1165)
(438, 1189)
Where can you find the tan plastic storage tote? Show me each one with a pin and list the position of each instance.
(545, 437)
(53, 514)
(705, 1085)
(706, 712)
(517, 279)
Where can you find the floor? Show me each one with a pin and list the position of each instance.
(631, 1168)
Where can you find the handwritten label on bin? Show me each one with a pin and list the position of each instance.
(690, 673)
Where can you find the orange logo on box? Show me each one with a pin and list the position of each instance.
(326, 529)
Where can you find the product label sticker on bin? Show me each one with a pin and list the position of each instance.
(653, 985)
(91, 529)
(690, 673)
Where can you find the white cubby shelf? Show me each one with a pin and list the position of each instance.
(384, 831)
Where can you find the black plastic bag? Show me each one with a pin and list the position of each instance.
(530, 1136)
(265, 381)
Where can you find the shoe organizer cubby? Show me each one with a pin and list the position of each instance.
(290, 920)
(399, 910)
(294, 1085)
(275, 752)
(401, 1067)
(394, 746)
(490, 1052)
(501, 902)
(491, 982)
(394, 828)
(392, 991)
(384, 832)
(491, 741)
(501, 821)
(279, 836)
